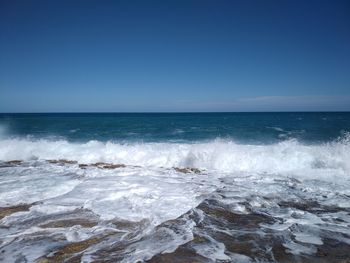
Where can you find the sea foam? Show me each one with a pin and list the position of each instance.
(283, 180)
(286, 157)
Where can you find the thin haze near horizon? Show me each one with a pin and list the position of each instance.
(174, 56)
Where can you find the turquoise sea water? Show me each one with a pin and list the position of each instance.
(156, 127)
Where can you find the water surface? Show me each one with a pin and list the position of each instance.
(204, 187)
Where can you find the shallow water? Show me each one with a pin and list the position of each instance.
(183, 200)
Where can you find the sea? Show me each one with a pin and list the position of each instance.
(175, 187)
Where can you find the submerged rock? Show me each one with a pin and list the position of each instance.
(112, 166)
(5, 211)
(10, 163)
(70, 252)
(14, 162)
(62, 161)
(102, 165)
(180, 255)
(69, 223)
(83, 165)
(187, 170)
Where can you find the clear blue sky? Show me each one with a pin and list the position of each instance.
(63, 56)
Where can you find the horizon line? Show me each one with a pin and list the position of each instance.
(171, 112)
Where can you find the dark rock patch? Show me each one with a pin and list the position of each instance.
(72, 252)
(224, 215)
(310, 206)
(83, 165)
(14, 162)
(62, 161)
(102, 165)
(69, 223)
(187, 170)
(180, 255)
(5, 211)
(68, 252)
(10, 163)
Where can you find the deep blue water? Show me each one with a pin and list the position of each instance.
(242, 127)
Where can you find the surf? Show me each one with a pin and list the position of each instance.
(289, 157)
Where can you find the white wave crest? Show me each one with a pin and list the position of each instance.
(291, 157)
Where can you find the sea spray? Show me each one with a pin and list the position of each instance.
(286, 157)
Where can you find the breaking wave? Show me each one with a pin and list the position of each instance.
(287, 157)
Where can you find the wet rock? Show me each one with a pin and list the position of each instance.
(62, 161)
(310, 206)
(69, 223)
(304, 206)
(80, 217)
(220, 213)
(65, 254)
(240, 233)
(83, 165)
(180, 255)
(187, 170)
(130, 225)
(70, 252)
(102, 165)
(10, 163)
(113, 166)
(332, 251)
(14, 162)
(5, 211)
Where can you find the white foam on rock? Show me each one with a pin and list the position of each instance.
(256, 175)
(27, 185)
(142, 194)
